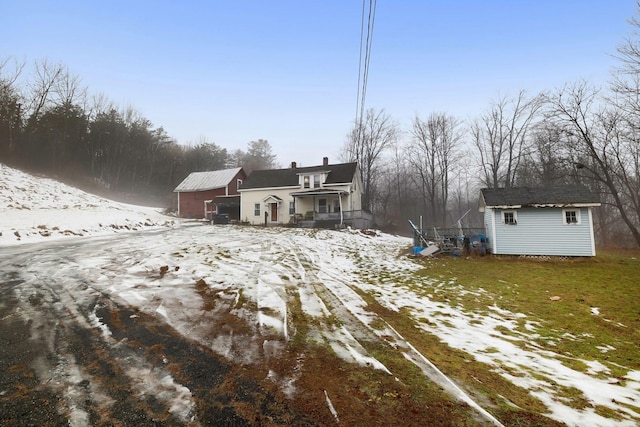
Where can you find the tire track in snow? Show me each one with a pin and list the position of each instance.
(342, 297)
(60, 306)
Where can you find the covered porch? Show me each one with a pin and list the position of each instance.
(325, 208)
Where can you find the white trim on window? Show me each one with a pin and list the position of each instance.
(571, 217)
(256, 209)
(510, 217)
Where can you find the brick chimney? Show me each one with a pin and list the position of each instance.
(325, 161)
(293, 165)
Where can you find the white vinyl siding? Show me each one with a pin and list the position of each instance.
(541, 231)
(490, 228)
(250, 198)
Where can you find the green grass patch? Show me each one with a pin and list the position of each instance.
(476, 378)
(576, 304)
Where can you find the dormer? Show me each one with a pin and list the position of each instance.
(311, 180)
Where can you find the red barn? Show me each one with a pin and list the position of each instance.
(197, 191)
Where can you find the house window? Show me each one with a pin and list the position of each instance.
(307, 181)
(316, 181)
(509, 217)
(256, 209)
(292, 207)
(322, 205)
(336, 205)
(571, 216)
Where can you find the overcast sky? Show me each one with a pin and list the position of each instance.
(287, 71)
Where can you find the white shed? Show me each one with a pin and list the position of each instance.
(553, 221)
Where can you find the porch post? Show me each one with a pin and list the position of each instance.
(341, 214)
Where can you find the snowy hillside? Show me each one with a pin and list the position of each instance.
(34, 208)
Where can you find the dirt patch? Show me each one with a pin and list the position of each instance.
(23, 399)
(224, 393)
(207, 294)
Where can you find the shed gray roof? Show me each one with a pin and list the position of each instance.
(272, 178)
(561, 195)
(202, 181)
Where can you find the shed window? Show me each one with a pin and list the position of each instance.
(256, 209)
(571, 216)
(509, 217)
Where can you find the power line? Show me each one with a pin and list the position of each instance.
(363, 69)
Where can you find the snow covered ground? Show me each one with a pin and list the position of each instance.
(35, 208)
(256, 274)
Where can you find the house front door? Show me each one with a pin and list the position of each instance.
(274, 212)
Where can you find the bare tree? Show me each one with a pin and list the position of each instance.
(500, 137)
(10, 105)
(603, 147)
(544, 161)
(395, 194)
(47, 77)
(68, 90)
(365, 145)
(625, 82)
(432, 155)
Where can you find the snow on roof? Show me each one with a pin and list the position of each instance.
(540, 196)
(209, 180)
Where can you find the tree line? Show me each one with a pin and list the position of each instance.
(577, 134)
(49, 124)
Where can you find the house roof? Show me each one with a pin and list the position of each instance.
(272, 178)
(209, 180)
(551, 196)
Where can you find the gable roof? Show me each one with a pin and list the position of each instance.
(551, 196)
(209, 180)
(270, 178)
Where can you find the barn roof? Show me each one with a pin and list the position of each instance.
(209, 180)
(550, 196)
(272, 178)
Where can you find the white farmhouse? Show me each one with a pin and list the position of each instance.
(328, 195)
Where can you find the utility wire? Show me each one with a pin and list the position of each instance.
(363, 69)
(360, 63)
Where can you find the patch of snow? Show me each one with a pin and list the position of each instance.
(595, 311)
(95, 321)
(331, 408)
(33, 209)
(595, 367)
(605, 348)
